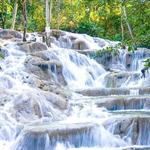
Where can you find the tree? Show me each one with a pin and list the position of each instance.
(47, 16)
(24, 12)
(125, 17)
(14, 14)
(3, 13)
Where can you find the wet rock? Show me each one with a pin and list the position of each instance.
(114, 91)
(31, 63)
(51, 86)
(132, 128)
(146, 82)
(65, 42)
(43, 137)
(32, 47)
(141, 53)
(145, 90)
(57, 100)
(57, 33)
(45, 55)
(9, 34)
(28, 106)
(128, 58)
(45, 70)
(80, 44)
(5, 97)
(6, 82)
(101, 42)
(104, 92)
(113, 103)
(113, 80)
(124, 102)
(136, 148)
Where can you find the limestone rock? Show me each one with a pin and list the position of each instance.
(9, 34)
(45, 70)
(80, 44)
(32, 47)
(132, 128)
(114, 80)
(57, 100)
(104, 91)
(28, 106)
(41, 136)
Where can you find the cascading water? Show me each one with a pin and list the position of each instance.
(33, 118)
(78, 70)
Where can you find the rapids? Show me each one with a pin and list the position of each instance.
(92, 109)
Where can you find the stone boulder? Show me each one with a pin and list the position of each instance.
(33, 47)
(28, 106)
(5, 97)
(57, 33)
(100, 42)
(50, 70)
(80, 44)
(104, 91)
(132, 127)
(124, 102)
(57, 100)
(128, 60)
(114, 80)
(41, 137)
(146, 81)
(10, 34)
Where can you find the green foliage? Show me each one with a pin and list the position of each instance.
(5, 13)
(87, 27)
(1, 56)
(112, 51)
(100, 18)
(147, 63)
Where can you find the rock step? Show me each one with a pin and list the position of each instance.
(45, 137)
(132, 127)
(136, 147)
(114, 91)
(117, 102)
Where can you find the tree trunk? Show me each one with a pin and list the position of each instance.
(50, 11)
(126, 20)
(3, 17)
(14, 14)
(58, 13)
(122, 29)
(24, 19)
(47, 16)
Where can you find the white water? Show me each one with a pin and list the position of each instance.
(80, 72)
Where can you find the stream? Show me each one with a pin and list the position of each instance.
(60, 98)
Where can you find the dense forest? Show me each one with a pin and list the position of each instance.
(124, 20)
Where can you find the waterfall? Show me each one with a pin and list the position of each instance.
(57, 98)
(79, 70)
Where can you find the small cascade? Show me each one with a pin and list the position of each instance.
(79, 70)
(134, 91)
(132, 128)
(75, 41)
(56, 98)
(132, 61)
(76, 136)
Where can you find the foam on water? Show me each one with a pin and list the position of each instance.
(80, 72)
